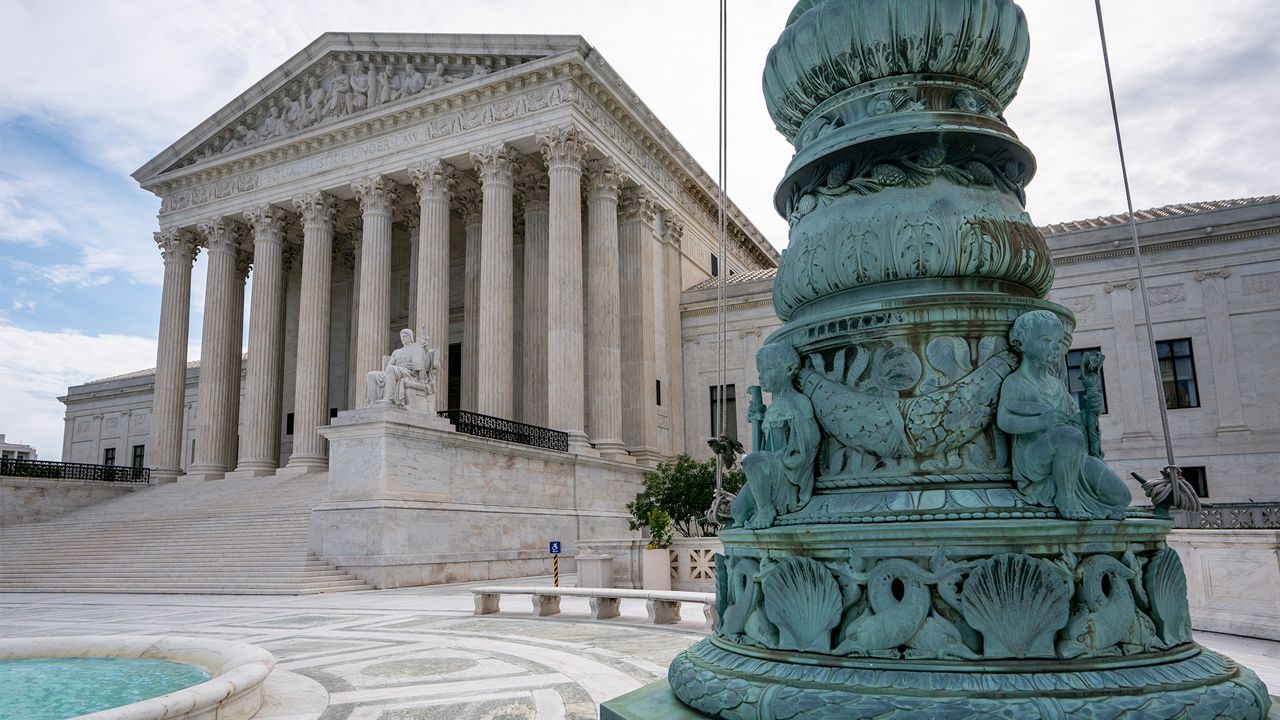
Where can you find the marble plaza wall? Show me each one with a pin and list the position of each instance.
(1213, 277)
(414, 503)
(1233, 580)
(25, 500)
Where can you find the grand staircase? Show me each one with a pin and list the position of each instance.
(219, 537)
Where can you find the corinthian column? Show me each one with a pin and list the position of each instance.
(213, 409)
(639, 362)
(435, 182)
(469, 206)
(673, 393)
(493, 351)
(377, 195)
(533, 385)
(311, 391)
(260, 446)
(604, 345)
(179, 249)
(563, 149)
(244, 260)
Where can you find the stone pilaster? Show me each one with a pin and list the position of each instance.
(1132, 357)
(603, 342)
(533, 343)
(311, 391)
(377, 196)
(435, 183)
(260, 445)
(1222, 351)
(673, 389)
(639, 365)
(494, 164)
(564, 149)
(469, 206)
(179, 249)
(213, 411)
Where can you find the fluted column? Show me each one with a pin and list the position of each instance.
(377, 195)
(673, 393)
(213, 411)
(311, 389)
(435, 182)
(469, 206)
(179, 250)
(639, 362)
(564, 150)
(533, 343)
(260, 445)
(493, 350)
(244, 261)
(604, 344)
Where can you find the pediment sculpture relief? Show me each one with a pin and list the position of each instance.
(334, 90)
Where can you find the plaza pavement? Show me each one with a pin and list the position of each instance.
(420, 654)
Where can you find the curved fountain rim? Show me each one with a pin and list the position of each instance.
(236, 669)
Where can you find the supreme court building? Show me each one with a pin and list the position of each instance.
(508, 197)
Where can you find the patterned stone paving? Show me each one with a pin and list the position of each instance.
(419, 654)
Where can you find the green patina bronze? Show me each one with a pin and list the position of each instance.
(929, 528)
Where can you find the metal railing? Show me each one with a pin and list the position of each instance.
(1231, 516)
(15, 467)
(495, 428)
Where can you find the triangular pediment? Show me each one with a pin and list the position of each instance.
(347, 75)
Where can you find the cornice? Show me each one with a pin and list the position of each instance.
(1154, 247)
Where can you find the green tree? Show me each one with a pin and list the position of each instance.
(683, 489)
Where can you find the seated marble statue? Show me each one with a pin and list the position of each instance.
(412, 367)
(1051, 460)
(780, 473)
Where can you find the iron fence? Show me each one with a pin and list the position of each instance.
(495, 428)
(16, 467)
(1231, 516)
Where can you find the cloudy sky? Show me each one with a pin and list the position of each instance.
(92, 89)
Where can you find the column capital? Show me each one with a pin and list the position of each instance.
(316, 208)
(1119, 285)
(1202, 275)
(434, 179)
(672, 229)
(267, 222)
(469, 205)
(376, 193)
(563, 146)
(495, 163)
(177, 245)
(603, 178)
(219, 234)
(533, 190)
(244, 262)
(637, 204)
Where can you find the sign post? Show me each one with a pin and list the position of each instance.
(554, 549)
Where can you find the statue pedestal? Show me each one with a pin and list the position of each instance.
(654, 700)
(412, 502)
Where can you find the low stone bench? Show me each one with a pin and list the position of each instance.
(663, 606)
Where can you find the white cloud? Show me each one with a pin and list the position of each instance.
(20, 223)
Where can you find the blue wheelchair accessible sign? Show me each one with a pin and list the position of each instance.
(555, 547)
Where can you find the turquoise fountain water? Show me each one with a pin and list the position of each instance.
(58, 688)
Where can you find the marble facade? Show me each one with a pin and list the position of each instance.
(1213, 276)
(375, 182)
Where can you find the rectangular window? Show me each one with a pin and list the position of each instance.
(1074, 386)
(139, 456)
(109, 456)
(455, 375)
(1178, 373)
(730, 412)
(1196, 476)
(288, 424)
(333, 413)
(715, 265)
(658, 391)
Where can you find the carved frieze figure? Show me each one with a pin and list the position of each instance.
(780, 472)
(411, 369)
(411, 82)
(1051, 460)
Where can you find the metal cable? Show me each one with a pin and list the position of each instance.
(1137, 250)
(722, 233)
